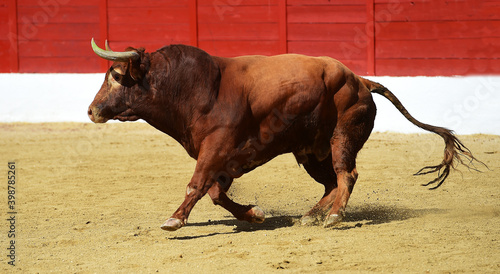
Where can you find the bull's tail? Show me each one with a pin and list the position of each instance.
(454, 148)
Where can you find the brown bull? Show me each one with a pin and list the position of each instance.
(235, 114)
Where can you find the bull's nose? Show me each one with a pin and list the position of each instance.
(91, 115)
(95, 115)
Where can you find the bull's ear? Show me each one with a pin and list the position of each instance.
(139, 67)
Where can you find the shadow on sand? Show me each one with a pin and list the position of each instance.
(271, 223)
(358, 216)
(373, 214)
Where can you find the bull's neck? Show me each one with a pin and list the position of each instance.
(184, 82)
(175, 116)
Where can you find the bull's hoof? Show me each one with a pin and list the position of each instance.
(172, 224)
(257, 215)
(308, 220)
(333, 220)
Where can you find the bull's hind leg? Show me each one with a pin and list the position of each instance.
(250, 213)
(323, 173)
(351, 132)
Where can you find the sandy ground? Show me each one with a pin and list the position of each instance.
(91, 198)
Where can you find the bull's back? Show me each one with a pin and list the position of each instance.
(291, 83)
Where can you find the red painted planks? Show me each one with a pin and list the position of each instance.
(57, 3)
(51, 34)
(336, 49)
(193, 23)
(70, 48)
(356, 66)
(138, 15)
(149, 32)
(370, 35)
(4, 29)
(282, 26)
(155, 21)
(336, 29)
(438, 11)
(437, 67)
(9, 61)
(439, 48)
(6, 62)
(232, 3)
(63, 14)
(237, 48)
(325, 2)
(238, 14)
(4, 14)
(13, 37)
(437, 30)
(30, 32)
(395, 37)
(103, 30)
(255, 31)
(148, 45)
(233, 28)
(152, 24)
(326, 14)
(76, 64)
(148, 3)
(324, 32)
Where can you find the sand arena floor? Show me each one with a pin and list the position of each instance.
(91, 198)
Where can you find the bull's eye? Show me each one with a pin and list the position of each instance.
(116, 77)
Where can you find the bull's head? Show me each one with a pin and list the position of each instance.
(123, 88)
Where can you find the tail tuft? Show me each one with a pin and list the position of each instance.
(454, 149)
(453, 153)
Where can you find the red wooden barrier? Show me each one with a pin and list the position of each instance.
(372, 37)
(9, 61)
(419, 37)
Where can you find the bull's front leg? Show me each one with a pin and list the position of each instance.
(201, 184)
(213, 155)
(197, 188)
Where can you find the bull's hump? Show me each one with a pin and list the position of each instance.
(282, 80)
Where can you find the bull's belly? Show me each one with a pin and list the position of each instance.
(257, 151)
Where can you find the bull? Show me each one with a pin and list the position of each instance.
(235, 114)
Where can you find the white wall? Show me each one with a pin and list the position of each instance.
(465, 104)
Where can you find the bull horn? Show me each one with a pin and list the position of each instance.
(106, 46)
(114, 56)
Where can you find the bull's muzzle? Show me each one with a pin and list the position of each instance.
(94, 115)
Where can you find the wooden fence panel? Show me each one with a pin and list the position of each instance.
(149, 24)
(9, 61)
(437, 37)
(53, 36)
(236, 27)
(329, 28)
(372, 37)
